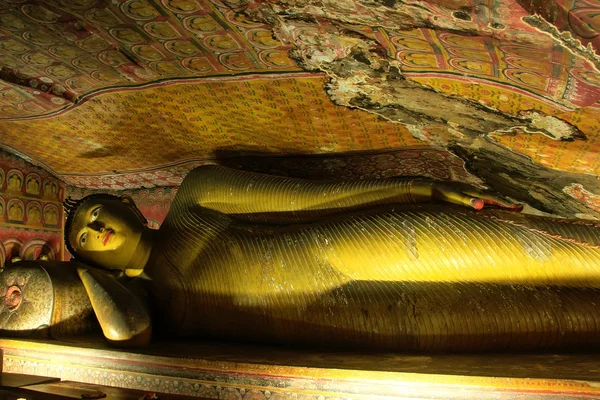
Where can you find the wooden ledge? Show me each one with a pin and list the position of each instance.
(218, 370)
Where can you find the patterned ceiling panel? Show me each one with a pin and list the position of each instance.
(63, 49)
(164, 127)
(130, 93)
(54, 53)
(543, 69)
(579, 17)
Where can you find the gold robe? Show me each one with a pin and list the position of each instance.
(397, 277)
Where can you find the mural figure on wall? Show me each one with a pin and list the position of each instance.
(12, 247)
(15, 180)
(32, 185)
(370, 264)
(19, 214)
(50, 215)
(34, 213)
(38, 248)
(50, 189)
(15, 210)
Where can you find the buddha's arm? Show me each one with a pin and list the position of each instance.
(242, 193)
(122, 316)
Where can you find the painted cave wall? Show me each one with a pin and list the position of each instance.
(31, 215)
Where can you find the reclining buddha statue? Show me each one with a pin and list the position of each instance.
(391, 264)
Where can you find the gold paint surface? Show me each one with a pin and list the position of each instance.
(404, 277)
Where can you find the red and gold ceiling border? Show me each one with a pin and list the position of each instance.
(82, 99)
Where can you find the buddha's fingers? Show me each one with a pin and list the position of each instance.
(450, 193)
(494, 200)
(464, 200)
(469, 196)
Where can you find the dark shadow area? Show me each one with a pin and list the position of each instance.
(422, 161)
(415, 317)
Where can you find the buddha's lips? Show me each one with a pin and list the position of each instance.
(106, 237)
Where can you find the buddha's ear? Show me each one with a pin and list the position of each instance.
(129, 201)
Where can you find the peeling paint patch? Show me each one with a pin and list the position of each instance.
(420, 133)
(578, 192)
(553, 127)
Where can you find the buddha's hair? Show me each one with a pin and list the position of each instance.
(71, 206)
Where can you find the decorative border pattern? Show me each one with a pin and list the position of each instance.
(165, 82)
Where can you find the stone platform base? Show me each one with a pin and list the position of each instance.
(226, 371)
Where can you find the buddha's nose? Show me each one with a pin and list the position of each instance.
(13, 298)
(96, 225)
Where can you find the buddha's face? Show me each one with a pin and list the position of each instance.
(106, 231)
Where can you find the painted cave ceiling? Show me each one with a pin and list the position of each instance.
(133, 93)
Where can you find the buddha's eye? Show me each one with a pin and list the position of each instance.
(83, 238)
(95, 214)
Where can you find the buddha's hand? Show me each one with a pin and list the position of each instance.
(469, 196)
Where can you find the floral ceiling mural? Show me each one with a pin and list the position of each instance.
(127, 94)
(61, 51)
